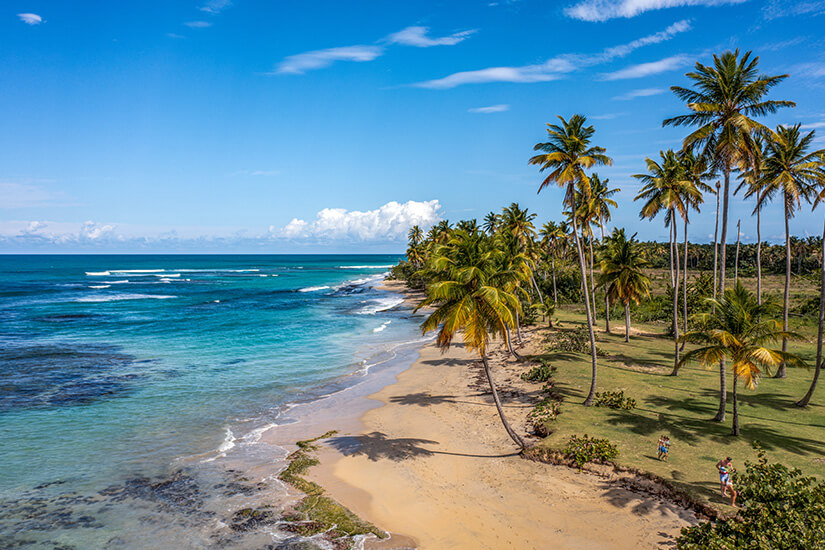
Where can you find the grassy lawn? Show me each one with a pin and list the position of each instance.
(682, 407)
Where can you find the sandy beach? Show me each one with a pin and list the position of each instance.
(433, 465)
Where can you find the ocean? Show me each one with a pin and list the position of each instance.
(135, 389)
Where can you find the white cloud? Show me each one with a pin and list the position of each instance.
(91, 231)
(775, 9)
(30, 18)
(308, 61)
(607, 116)
(554, 68)
(644, 92)
(814, 70)
(490, 109)
(813, 125)
(417, 36)
(198, 24)
(390, 222)
(603, 10)
(34, 227)
(647, 69)
(215, 6)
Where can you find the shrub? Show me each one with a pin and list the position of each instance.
(783, 509)
(539, 373)
(589, 449)
(547, 409)
(576, 341)
(615, 400)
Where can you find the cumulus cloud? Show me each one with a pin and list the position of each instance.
(647, 69)
(490, 109)
(30, 18)
(92, 231)
(417, 36)
(390, 222)
(307, 61)
(198, 24)
(603, 10)
(644, 92)
(554, 68)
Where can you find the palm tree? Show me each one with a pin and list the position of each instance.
(414, 253)
(818, 367)
(716, 240)
(726, 96)
(470, 300)
(736, 260)
(588, 215)
(795, 171)
(600, 197)
(666, 189)
(567, 155)
(490, 223)
(754, 183)
(622, 276)
(551, 239)
(739, 329)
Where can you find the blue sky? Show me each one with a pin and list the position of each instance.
(288, 126)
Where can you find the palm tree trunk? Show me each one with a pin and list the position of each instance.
(807, 399)
(606, 301)
(592, 282)
(716, 246)
(736, 262)
(735, 424)
(723, 389)
(518, 328)
(685, 287)
(510, 344)
(555, 291)
(591, 394)
(758, 249)
(675, 296)
(513, 435)
(627, 322)
(536, 286)
(780, 372)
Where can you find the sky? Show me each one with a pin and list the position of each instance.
(285, 126)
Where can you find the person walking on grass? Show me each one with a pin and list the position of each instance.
(664, 447)
(725, 468)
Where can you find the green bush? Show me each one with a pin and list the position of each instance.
(539, 373)
(615, 400)
(576, 341)
(589, 449)
(547, 409)
(782, 510)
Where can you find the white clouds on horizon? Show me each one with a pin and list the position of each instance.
(644, 92)
(646, 69)
(604, 10)
(390, 222)
(30, 18)
(490, 109)
(411, 36)
(554, 68)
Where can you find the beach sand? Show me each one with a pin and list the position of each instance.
(433, 465)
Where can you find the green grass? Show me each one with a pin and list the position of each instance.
(682, 407)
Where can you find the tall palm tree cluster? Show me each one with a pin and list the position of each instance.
(482, 279)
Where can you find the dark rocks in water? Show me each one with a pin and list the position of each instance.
(51, 484)
(177, 493)
(295, 544)
(304, 528)
(248, 519)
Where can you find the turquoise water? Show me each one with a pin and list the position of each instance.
(117, 368)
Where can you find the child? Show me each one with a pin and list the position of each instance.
(664, 447)
(725, 468)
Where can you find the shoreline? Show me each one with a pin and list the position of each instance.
(429, 462)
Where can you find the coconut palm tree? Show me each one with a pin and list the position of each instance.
(739, 329)
(725, 97)
(550, 239)
(490, 223)
(471, 301)
(716, 240)
(567, 154)
(753, 183)
(666, 189)
(818, 366)
(600, 197)
(588, 216)
(792, 169)
(622, 276)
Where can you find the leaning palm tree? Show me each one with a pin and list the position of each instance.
(469, 301)
(695, 171)
(754, 183)
(792, 169)
(725, 97)
(567, 154)
(622, 276)
(739, 329)
(587, 216)
(818, 367)
(666, 189)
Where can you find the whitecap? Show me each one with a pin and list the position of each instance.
(381, 304)
(98, 273)
(137, 270)
(312, 288)
(381, 328)
(119, 297)
(99, 286)
(365, 266)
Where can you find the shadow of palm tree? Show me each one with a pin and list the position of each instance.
(376, 446)
(641, 505)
